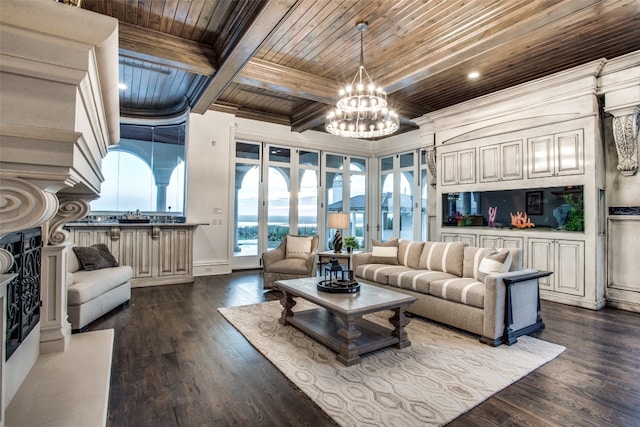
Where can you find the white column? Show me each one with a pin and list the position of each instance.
(55, 329)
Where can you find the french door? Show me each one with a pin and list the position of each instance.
(275, 193)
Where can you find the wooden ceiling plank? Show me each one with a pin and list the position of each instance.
(131, 12)
(166, 49)
(204, 18)
(218, 15)
(168, 13)
(144, 12)
(270, 17)
(192, 18)
(180, 18)
(155, 17)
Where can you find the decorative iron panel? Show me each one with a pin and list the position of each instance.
(23, 292)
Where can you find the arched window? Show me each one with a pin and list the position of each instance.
(128, 184)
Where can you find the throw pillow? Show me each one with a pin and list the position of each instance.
(443, 256)
(385, 252)
(494, 264)
(95, 257)
(298, 246)
(472, 257)
(409, 253)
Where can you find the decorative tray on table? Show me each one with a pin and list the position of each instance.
(339, 286)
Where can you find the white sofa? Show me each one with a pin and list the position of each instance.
(446, 279)
(91, 294)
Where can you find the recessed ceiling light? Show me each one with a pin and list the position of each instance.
(122, 86)
(473, 75)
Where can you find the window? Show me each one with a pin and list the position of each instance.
(145, 171)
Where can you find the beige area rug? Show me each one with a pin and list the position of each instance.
(442, 375)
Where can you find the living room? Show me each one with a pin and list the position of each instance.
(594, 97)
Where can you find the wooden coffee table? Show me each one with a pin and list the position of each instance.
(338, 323)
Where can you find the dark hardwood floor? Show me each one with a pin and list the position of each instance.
(178, 362)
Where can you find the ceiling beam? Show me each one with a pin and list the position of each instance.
(166, 49)
(268, 20)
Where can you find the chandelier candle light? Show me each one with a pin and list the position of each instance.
(338, 221)
(362, 111)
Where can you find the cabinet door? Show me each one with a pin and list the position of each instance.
(511, 160)
(166, 252)
(469, 239)
(449, 237)
(449, 168)
(541, 156)
(128, 248)
(569, 153)
(512, 242)
(542, 257)
(569, 267)
(489, 163)
(467, 166)
(83, 237)
(144, 251)
(489, 241)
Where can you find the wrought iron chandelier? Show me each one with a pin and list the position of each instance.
(362, 111)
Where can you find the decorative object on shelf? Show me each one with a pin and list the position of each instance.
(492, 216)
(560, 214)
(461, 219)
(362, 111)
(350, 243)
(521, 220)
(534, 203)
(339, 221)
(575, 217)
(338, 279)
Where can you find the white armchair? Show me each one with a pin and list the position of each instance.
(294, 258)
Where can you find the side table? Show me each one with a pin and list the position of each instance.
(342, 257)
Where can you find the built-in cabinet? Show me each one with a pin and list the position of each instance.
(565, 258)
(527, 160)
(158, 253)
(500, 162)
(459, 167)
(556, 155)
(467, 238)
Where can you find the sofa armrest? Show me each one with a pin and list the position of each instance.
(269, 257)
(511, 305)
(360, 259)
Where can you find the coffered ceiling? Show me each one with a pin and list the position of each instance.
(283, 61)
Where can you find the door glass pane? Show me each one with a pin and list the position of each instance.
(406, 205)
(247, 202)
(279, 154)
(406, 160)
(386, 163)
(357, 207)
(308, 158)
(334, 161)
(386, 204)
(278, 200)
(308, 203)
(247, 151)
(358, 164)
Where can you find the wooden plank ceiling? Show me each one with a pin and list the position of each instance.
(283, 61)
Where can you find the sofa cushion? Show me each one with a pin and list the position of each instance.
(409, 252)
(472, 258)
(288, 266)
(379, 273)
(88, 285)
(416, 280)
(73, 264)
(467, 291)
(440, 256)
(298, 246)
(384, 252)
(95, 257)
(499, 262)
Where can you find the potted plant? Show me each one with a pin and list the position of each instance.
(350, 243)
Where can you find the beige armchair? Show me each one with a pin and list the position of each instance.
(296, 260)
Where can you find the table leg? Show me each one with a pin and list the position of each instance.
(348, 351)
(399, 321)
(287, 302)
